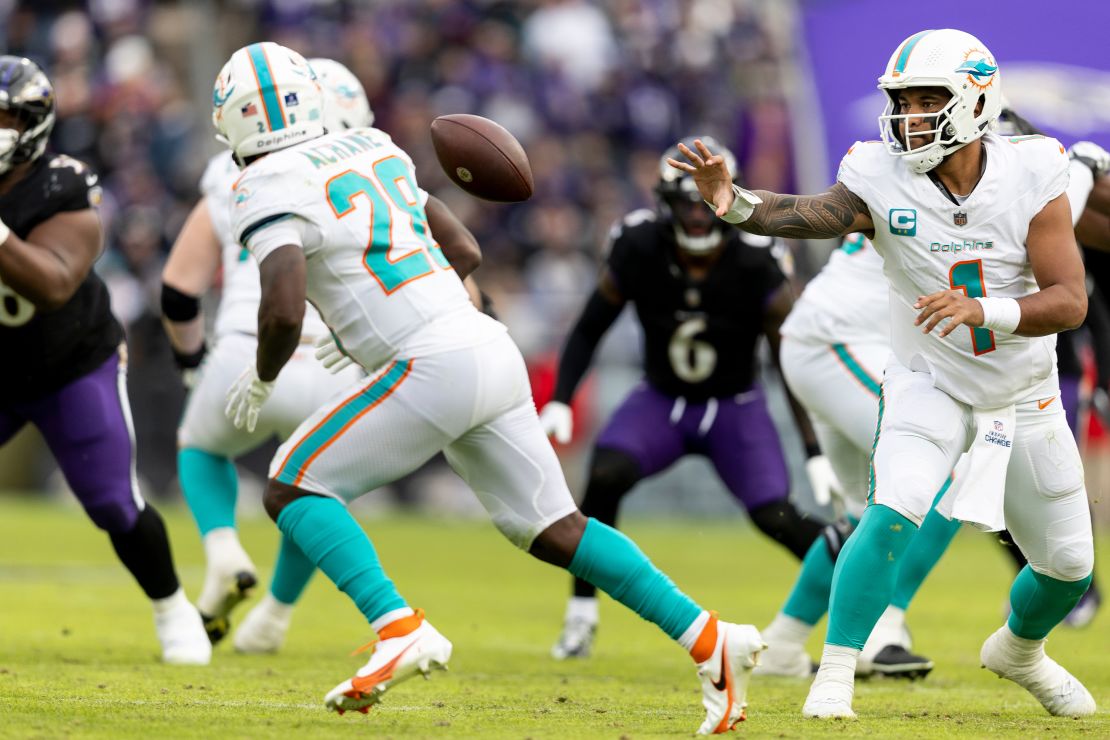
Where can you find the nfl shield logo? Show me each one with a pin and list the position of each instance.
(960, 218)
(997, 426)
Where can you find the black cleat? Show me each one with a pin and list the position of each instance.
(894, 661)
(219, 625)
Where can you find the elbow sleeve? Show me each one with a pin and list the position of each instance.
(178, 306)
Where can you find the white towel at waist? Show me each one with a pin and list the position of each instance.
(978, 491)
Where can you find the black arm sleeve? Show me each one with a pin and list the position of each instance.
(595, 320)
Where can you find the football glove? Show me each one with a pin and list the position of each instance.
(330, 355)
(557, 420)
(822, 480)
(1092, 155)
(245, 398)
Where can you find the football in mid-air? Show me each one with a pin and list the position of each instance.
(482, 158)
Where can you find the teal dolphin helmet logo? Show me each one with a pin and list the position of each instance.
(980, 68)
(222, 91)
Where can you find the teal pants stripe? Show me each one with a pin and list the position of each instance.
(613, 563)
(330, 537)
(210, 487)
(857, 370)
(333, 425)
(872, 482)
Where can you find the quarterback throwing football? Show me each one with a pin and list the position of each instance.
(976, 237)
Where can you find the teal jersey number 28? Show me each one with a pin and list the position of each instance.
(968, 276)
(390, 271)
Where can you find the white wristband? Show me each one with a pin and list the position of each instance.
(4, 232)
(1000, 314)
(743, 205)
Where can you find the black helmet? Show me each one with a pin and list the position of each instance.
(26, 92)
(1010, 123)
(696, 229)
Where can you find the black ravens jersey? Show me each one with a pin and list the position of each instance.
(45, 350)
(700, 336)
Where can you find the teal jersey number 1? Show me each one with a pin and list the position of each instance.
(968, 276)
(390, 273)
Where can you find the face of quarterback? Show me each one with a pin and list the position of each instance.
(926, 101)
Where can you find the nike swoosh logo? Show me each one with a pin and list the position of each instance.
(721, 683)
(1042, 405)
(365, 683)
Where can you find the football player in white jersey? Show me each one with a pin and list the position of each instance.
(976, 237)
(339, 219)
(208, 442)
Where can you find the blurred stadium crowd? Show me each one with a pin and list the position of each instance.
(595, 92)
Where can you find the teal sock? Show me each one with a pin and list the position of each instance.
(613, 563)
(809, 599)
(330, 537)
(292, 572)
(864, 576)
(210, 487)
(1039, 602)
(926, 549)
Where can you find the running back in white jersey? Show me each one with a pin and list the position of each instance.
(845, 303)
(928, 244)
(238, 311)
(375, 273)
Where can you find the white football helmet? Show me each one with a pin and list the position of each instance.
(345, 103)
(956, 61)
(266, 98)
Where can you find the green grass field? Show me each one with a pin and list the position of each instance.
(78, 656)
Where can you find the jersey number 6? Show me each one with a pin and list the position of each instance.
(15, 310)
(968, 276)
(692, 360)
(391, 180)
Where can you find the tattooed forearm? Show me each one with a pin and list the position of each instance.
(834, 213)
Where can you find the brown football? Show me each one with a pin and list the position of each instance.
(482, 158)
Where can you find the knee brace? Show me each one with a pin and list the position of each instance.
(612, 474)
(782, 522)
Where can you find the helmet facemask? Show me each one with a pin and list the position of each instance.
(940, 135)
(696, 229)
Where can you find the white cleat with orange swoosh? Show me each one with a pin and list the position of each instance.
(394, 659)
(725, 676)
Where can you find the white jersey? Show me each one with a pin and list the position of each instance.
(238, 311)
(928, 244)
(375, 273)
(845, 303)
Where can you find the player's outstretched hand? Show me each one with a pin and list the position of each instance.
(1092, 155)
(948, 304)
(245, 398)
(330, 355)
(823, 480)
(710, 173)
(557, 420)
